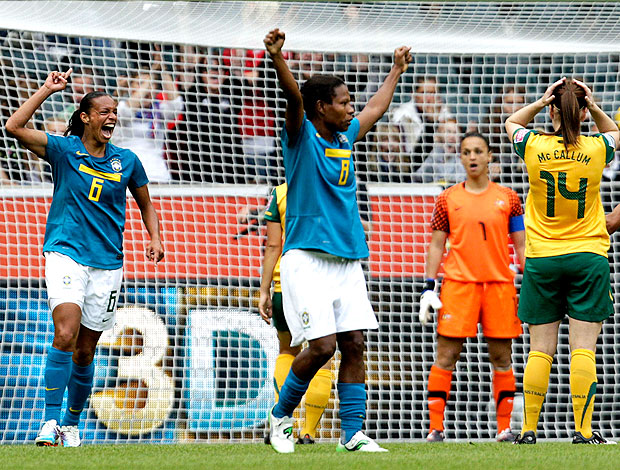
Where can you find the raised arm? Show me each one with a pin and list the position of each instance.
(273, 250)
(154, 250)
(294, 103)
(32, 139)
(380, 102)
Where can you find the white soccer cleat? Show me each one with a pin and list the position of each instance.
(49, 434)
(70, 436)
(360, 442)
(506, 436)
(281, 434)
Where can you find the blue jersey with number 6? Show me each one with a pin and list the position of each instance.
(87, 217)
(321, 211)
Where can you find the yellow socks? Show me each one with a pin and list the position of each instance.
(583, 389)
(317, 397)
(535, 384)
(283, 367)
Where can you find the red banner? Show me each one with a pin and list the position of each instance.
(215, 236)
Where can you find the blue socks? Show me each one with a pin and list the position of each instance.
(57, 372)
(80, 385)
(291, 393)
(352, 409)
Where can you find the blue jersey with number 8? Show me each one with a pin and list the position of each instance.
(322, 212)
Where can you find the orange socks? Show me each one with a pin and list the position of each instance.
(439, 384)
(504, 387)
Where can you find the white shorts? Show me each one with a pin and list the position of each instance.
(323, 294)
(94, 290)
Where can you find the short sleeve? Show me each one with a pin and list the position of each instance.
(285, 138)
(516, 208)
(610, 146)
(353, 130)
(519, 140)
(138, 175)
(272, 214)
(56, 147)
(439, 220)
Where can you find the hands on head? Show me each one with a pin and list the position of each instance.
(548, 97)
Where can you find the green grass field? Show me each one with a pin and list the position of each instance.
(479, 456)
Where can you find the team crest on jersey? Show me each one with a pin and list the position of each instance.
(66, 280)
(342, 139)
(520, 135)
(305, 319)
(500, 203)
(116, 164)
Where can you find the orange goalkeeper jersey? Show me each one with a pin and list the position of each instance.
(478, 228)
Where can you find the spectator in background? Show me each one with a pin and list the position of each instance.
(510, 168)
(62, 105)
(181, 136)
(418, 119)
(388, 161)
(208, 122)
(306, 64)
(253, 113)
(443, 165)
(364, 83)
(142, 122)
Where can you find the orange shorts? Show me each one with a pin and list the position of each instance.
(465, 304)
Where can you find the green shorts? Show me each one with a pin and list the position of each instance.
(277, 312)
(577, 284)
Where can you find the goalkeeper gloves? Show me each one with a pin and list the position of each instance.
(429, 299)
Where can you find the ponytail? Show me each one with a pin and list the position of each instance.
(76, 125)
(569, 100)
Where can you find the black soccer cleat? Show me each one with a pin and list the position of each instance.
(528, 437)
(305, 439)
(595, 439)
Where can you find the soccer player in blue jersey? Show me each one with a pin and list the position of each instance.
(323, 287)
(83, 244)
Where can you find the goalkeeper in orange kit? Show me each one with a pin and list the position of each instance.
(478, 216)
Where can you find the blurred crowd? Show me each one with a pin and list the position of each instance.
(213, 115)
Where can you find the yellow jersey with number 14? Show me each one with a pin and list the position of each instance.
(563, 212)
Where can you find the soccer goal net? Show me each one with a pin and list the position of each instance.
(189, 358)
